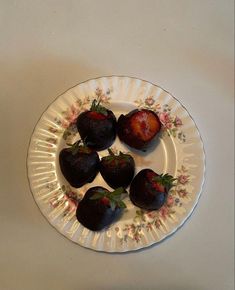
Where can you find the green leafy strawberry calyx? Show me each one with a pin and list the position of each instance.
(166, 180)
(79, 147)
(115, 197)
(118, 157)
(98, 108)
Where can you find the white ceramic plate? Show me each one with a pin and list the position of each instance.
(179, 152)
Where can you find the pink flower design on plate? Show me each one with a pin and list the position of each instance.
(54, 202)
(71, 194)
(170, 201)
(157, 223)
(182, 192)
(168, 125)
(64, 124)
(72, 114)
(183, 179)
(151, 214)
(53, 130)
(149, 226)
(149, 101)
(71, 204)
(137, 237)
(178, 122)
(163, 212)
(165, 119)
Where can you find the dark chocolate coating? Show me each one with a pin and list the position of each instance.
(143, 194)
(98, 134)
(120, 174)
(95, 215)
(80, 168)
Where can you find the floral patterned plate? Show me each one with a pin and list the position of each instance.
(179, 152)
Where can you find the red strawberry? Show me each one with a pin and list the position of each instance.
(104, 200)
(96, 115)
(151, 175)
(149, 190)
(138, 128)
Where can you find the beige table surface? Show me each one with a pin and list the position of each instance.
(49, 46)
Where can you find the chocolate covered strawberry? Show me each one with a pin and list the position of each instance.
(79, 164)
(99, 207)
(138, 128)
(149, 190)
(97, 127)
(117, 170)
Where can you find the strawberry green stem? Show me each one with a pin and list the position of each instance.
(75, 146)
